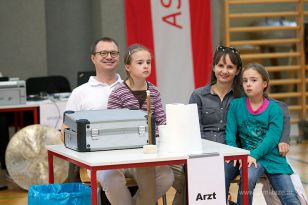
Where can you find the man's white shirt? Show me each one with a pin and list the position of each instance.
(92, 95)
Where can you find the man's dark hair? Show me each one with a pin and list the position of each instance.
(104, 39)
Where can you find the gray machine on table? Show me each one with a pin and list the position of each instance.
(13, 92)
(108, 129)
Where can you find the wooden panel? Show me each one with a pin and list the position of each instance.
(294, 120)
(260, 2)
(270, 55)
(273, 51)
(283, 68)
(265, 42)
(263, 28)
(294, 107)
(285, 95)
(300, 48)
(285, 82)
(263, 14)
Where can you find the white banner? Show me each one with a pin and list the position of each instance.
(179, 35)
(206, 180)
(173, 51)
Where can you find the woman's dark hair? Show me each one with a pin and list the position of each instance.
(234, 55)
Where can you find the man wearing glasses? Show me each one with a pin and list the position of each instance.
(94, 94)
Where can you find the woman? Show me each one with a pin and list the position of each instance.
(213, 100)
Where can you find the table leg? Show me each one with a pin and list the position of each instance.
(35, 116)
(50, 168)
(21, 117)
(94, 187)
(16, 121)
(245, 180)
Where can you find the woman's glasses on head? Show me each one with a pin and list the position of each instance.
(224, 48)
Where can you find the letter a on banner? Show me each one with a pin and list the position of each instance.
(206, 179)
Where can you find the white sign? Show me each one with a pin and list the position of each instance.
(51, 113)
(206, 180)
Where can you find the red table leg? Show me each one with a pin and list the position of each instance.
(94, 187)
(50, 168)
(244, 174)
(21, 117)
(245, 180)
(35, 116)
(16, 121)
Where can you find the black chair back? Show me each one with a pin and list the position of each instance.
(48, 84)
(4, 78)
(83, 76)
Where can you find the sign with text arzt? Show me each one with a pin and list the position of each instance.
(206, 180)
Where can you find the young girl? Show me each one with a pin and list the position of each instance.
(132, 94)
(258, 122)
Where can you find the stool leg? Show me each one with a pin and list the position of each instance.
(164, 199)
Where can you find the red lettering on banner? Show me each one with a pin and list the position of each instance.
(179, 5)
(167, 5)
(171, 19)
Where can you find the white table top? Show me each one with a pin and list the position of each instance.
(130, 156)
(34, 103)
(225, 150)
(28, 104)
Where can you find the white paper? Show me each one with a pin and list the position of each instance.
(182, 130)
(206, 180)
(51, 113)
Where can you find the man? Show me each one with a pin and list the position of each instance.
(94, 95)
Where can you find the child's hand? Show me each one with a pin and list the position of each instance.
(283, 148)
(234, 162)
(251, 161)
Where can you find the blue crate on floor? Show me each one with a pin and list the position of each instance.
(60, 194)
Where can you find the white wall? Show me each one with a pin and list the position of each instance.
(53, 37)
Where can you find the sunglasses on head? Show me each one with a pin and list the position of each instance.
(224, 48)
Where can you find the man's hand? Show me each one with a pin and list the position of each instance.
(283, 148)
(62, 132)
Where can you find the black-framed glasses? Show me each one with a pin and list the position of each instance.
(104, 54)
(224, 48)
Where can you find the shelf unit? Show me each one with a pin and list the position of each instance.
(275, 29)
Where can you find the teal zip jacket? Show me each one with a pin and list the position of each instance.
(258, 133)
